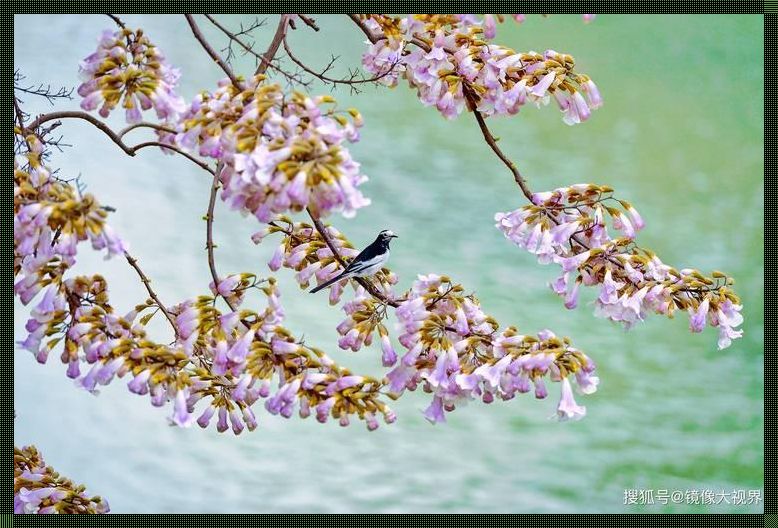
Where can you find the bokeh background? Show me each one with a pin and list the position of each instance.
(680, 136)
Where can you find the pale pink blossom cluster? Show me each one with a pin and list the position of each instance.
(227, 360)
(453, 68)
(39, 489)
(458, 353)
(569, 226)
(128, 68)
(50, 220)
(280, 153)
(489, 22)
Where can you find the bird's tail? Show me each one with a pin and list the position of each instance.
(329, 282)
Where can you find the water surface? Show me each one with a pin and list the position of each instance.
(680, 136)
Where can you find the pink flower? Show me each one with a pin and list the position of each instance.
(435, 413)
(698, 317)
(539, 89)
(568, 409)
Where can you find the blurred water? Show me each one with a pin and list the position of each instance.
(680, 135)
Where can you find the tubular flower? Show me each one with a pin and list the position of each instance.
(453, 67)
(227, 360)
(50, 219)
(458, 353)
(128, 68)
(568, 226)
(280, 153)
(40, 489)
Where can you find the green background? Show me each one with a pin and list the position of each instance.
(680, 136)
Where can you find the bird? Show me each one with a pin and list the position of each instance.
(369, 261)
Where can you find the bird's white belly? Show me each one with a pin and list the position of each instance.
(372, 267)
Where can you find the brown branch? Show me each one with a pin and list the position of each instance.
(19, 113)
(370, 36)
(250, 50)
(209, 246)
(272, 49)
(117, 20)
(155, 126)
(211, 52)
(147, 283)
(73, 114)
(308, 21)
(200, 163)
(492, 142)
(366, 284)
(116, 138)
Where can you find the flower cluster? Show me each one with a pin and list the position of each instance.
(50, 219)
(305, 251)
(453, 67)
(128, 68)
(364, 315)
(232, 288)
(225, 359)
(280, 153)
(569, 227)
(40, 489)
(458, 353)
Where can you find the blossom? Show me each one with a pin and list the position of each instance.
(461, 69)
(568, 409)
(570, 225)
(458, 353)
(128, 68)
(50, 220)
(697, 320)
(279, 153)
(39, 489)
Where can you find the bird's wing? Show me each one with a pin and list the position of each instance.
(358, 266)
(369, 254)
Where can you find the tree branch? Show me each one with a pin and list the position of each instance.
(492, 142)
(209, 246)
(147, 283)
(200, 163)
(211, 52)
(272, 49)
(370, 36)
(321, 75)
(74, 114)
(308, 21)
(155, 126)
(116, 138)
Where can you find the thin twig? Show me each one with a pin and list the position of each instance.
(117, 20)
(308, 21)
(209, 246)
(211, 52)
(235, 37)
(147, 283)
(321, 75)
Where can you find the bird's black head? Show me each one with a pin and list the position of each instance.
(385, 236)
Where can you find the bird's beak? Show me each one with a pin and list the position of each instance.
(394, 236)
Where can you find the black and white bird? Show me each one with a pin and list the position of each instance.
(369, 261)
